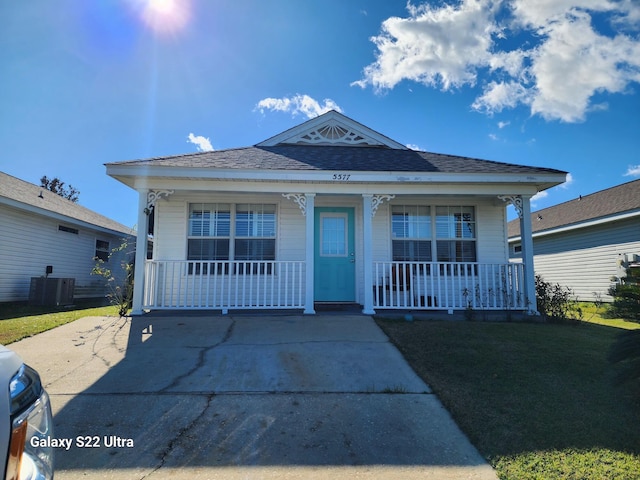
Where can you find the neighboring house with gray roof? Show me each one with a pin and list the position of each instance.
(41, 229)
(585, 243)
(330, 211)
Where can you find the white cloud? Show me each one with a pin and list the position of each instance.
(575, 62)
(555, 73)
(633, 171)
(541, 12)
(298, 105)
(539, 196)
(202, 143)
(413, 146)
(567, 182)
(501, 125)
(434, 46)
(498, 96)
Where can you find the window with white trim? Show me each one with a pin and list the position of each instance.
(414, 227)
(209, 231)
(411, 233)
(455, 234)
(255, 232)
(222, 231)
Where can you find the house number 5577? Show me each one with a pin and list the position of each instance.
(341, 177)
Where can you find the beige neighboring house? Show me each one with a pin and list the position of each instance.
(330, 211)
(42, 231)
(585, 243)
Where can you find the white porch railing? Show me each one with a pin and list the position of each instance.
(224, 285)
(186, 284)
(448, 286)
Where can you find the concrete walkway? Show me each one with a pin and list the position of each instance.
(206, 397)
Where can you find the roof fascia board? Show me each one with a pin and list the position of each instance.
(61, 218)
(584, 224)
(328, 175)
(412, 188)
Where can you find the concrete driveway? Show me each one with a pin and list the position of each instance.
(251, 396)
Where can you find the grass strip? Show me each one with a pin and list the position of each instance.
(537, 400)
(18, 321)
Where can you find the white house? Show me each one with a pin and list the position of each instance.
(44, 234)
(584, 244)
(330, 211)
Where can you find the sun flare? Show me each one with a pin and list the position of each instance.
(162, 7)
(166, 16)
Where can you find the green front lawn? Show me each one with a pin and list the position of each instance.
(537, 400)
(18, 320)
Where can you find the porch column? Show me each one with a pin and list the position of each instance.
(141, 253)
(367, 234)
(309, 252)
(527, 255)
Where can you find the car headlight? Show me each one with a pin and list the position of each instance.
(30, 457)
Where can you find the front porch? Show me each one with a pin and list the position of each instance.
(247, 285)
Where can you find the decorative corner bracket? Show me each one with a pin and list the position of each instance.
(515, 200)
(378, 200)
(300, 199)
(153, 196)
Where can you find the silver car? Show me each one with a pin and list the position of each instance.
(25, 421)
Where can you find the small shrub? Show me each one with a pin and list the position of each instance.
(555, 302)
(121, 296)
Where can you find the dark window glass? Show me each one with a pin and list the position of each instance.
(411, 250)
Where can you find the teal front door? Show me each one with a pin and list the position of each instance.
(335, 260)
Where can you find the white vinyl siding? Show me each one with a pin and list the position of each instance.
(170, 235)
(492, 233)
(291, 228)
(585, 259)
(30, 242)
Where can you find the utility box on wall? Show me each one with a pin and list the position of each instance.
(51, 291)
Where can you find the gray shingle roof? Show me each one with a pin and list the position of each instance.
(605, 203)
(346, 158)
(26, 193)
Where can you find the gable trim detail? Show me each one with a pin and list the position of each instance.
(332, 128)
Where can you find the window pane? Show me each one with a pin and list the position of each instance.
(255, 220)
(466, 251)
(102, 245)
(209, 220)
(411, 250)
(102, 250)
(208, 249)
(412, 221)
(102, 255)
(255, 249)
(399, 222)
(334, 233)
(443, 223)
(456, 251)
(422, 223)
(455, 222)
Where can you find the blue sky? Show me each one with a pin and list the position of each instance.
(552, 83)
